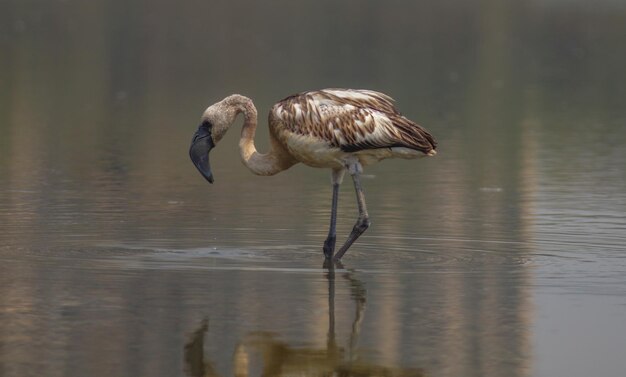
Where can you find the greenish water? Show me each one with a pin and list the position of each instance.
(503, 255)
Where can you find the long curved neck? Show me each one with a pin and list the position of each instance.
(276, 160)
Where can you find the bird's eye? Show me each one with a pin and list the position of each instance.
(206, 123)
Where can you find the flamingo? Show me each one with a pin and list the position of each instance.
(339, 129)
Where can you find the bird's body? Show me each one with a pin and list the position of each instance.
(340, 129)
(325, 128)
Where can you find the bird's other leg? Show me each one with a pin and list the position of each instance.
(329, 244)
(363, 221)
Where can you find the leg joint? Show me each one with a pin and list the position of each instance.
(362, 224)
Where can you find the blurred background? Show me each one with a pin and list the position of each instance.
(503, 255)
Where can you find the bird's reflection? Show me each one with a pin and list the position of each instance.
(195, 364)
(279, 358)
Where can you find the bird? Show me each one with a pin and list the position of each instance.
(338, 129)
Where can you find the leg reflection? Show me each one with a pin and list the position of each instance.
(279, 358)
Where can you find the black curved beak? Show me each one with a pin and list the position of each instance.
(201, 145)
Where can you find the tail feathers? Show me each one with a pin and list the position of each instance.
(414, 136)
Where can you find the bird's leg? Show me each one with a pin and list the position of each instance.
(329, 244)
(363, 222)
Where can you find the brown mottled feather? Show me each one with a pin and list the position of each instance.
(351, 120)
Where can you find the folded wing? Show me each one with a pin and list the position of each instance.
(352, 120)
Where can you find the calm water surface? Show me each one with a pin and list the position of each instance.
(505, 255)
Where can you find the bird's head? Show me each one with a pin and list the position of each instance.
(215, 121)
